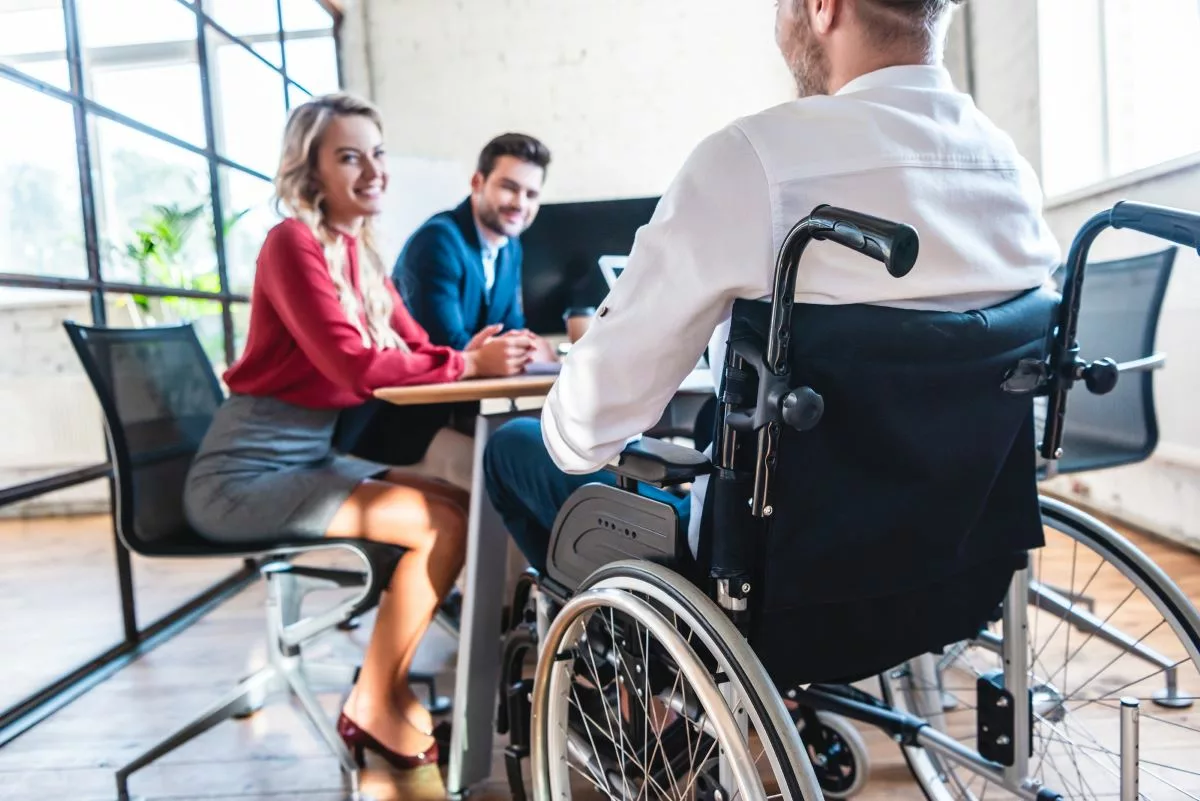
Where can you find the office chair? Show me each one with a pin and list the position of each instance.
(158, 393)
(1118, 318)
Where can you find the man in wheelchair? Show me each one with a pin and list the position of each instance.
(870, 494)
(878, 128)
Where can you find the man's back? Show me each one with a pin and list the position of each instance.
(898, 143)
(902, 144)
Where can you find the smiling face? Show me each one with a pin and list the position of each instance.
(507, 200)
(350, 169)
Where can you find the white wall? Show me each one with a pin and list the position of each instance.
(620, 90)
(1163, 494)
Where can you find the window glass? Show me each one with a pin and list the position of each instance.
(41, 222)
(153, 210)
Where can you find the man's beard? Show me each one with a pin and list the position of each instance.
(489, 217)
(808, 63)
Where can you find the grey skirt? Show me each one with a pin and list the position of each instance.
(267, 470)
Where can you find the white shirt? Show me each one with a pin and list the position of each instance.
(899, 143)
(488, 254)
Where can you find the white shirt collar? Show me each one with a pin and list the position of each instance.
(489, 250)
(909, 76)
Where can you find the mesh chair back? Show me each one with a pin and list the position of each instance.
(1118, 317)
(158, 393)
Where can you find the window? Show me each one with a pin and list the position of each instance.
(255, 22)
(248, 105)
(33, 40)
(311, 51)
(153, 201)
(153, 211)
(249, 209)
(41, 226)
(140, 58)
(1114, 87)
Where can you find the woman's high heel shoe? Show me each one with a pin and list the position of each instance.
(359, 741)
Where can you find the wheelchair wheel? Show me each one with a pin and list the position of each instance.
(836, 751)
(646, 689)
(1104, 623)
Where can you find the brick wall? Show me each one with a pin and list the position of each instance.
(51, 419)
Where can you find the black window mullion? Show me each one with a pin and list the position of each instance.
(87, 198)
(83, 157)
(238, 40)
(287, 96)
(214, 178)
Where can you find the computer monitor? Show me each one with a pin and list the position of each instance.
(562, 250)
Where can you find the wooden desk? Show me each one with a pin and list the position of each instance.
(474, 389)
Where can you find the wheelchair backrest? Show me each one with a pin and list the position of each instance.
(921, 466)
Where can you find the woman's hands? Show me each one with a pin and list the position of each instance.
(488, 355)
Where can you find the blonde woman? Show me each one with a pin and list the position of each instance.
(327, 328)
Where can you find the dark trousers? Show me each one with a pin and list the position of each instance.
(398, 435)
(528, 489)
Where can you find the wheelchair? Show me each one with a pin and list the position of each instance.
(873, 548)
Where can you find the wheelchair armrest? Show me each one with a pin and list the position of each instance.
(662, 464)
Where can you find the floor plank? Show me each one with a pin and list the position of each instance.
(58, 606)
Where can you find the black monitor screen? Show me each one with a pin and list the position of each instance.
(562, 254)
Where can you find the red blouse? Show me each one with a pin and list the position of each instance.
(302, 349)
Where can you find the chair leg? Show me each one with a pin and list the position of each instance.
(330, 674)
(437, 704)
(248, 691)
(320, 721)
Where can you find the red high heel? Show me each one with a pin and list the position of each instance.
(358, 741)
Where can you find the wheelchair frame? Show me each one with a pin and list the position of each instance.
(1003, 756)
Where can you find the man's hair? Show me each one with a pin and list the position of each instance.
(521, 146)
(909, 22)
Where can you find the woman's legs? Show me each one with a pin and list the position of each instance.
(430, 521)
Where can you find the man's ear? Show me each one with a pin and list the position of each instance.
(824, 14)
(477, 181)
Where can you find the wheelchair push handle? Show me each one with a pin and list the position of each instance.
(895, 244)
(1174, 225)
(1064, 367)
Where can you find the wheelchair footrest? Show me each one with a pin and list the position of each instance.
(519, 711)
(512, 767)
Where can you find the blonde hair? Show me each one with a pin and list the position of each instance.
(298, 190)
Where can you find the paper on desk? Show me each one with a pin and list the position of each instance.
(543, 368)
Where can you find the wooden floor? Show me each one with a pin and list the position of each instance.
(58, 607)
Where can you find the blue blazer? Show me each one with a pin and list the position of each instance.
(440, 276)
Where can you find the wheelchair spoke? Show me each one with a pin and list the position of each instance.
(1072, 601)
(1092, 635)
(1152, 717)
(1114, 660)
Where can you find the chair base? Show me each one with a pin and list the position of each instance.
(285, 674)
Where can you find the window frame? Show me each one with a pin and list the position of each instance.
(138, 637)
